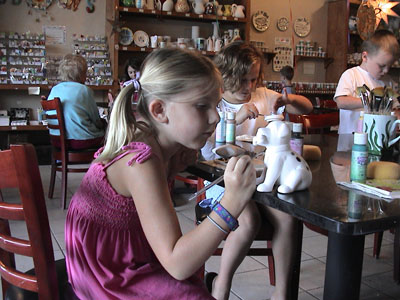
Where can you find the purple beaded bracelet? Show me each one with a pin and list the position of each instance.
(226, 216)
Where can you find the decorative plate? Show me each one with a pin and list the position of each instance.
(260, 20)
(366, 20)
(282, 24)
(302, 27)
(39, 4)
(125, 36)
(141, 38)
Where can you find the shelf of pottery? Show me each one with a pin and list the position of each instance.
(231, 15)
(310, 88)
(95, 50)
(22, 58)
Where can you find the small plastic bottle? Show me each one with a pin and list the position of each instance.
(297, 141)
(354, 206)
(359, 158)
(360, 122)
(220, 131)
(231, 128)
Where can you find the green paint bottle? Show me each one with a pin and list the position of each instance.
(359, 158)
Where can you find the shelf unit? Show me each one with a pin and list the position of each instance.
(95, 50)
(23, 58)
(162, 23)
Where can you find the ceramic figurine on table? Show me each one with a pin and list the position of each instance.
(283, 166)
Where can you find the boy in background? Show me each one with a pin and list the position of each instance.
(287, 74)
(378, 55)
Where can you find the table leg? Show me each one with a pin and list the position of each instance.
(297, 261)
(396, 254)
(343, 266)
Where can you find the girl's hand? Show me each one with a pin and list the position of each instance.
(280, 100)
(240, 183)
(248, 111)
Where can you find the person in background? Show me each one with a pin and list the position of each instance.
(83, 125)
(131, 71)
(378, 55)
(286, 74)
(241, 66)
(123, 238)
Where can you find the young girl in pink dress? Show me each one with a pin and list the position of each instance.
(123, 239)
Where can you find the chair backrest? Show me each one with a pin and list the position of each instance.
(49, 107)
(19, 169)
(320, 121)
(314, 122)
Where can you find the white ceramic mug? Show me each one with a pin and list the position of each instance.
(381, 132)
(154, 41)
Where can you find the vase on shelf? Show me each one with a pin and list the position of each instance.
(182, 6)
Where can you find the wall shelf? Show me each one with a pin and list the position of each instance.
(24, 128)
(45, 86)
(178, 15)
(327, 60)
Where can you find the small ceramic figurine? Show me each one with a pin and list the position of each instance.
(284, 166)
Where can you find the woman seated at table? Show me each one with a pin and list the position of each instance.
(83, 125)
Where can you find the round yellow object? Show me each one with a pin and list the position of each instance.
(311, 152)
(383, 170)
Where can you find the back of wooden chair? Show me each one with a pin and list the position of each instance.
(316, 122)
(19, 169)
(53, 111)
(62, 156)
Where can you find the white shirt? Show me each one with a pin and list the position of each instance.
(348, 83)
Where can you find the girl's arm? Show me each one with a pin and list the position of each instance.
(295, 104)
(348, 102)
(181, 255)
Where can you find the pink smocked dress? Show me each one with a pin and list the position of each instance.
(107, 253)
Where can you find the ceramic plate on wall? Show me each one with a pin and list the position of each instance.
(260, 20)
(125, 36)
(39, 4)
(141, 38)
(282, 24)
(302, 27)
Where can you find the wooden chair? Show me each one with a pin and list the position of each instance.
(265, 234)
(62, 157)
(48, 280)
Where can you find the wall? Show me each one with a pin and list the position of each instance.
(19, 18)
(314, 10)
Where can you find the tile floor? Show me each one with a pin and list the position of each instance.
(251, 279)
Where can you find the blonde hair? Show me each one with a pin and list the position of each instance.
(235, 60)
(165, 73)
(382, 40)
(73, 67)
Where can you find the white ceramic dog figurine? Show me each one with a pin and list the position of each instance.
(284, 166)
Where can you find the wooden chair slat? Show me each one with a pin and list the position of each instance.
(11, 211)
(15, 245)
(24, 281)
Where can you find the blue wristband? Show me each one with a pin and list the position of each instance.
(226, 216)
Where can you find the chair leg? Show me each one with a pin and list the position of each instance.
(271, 266)
(377, 244)
(52, 177)
(64, 178)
